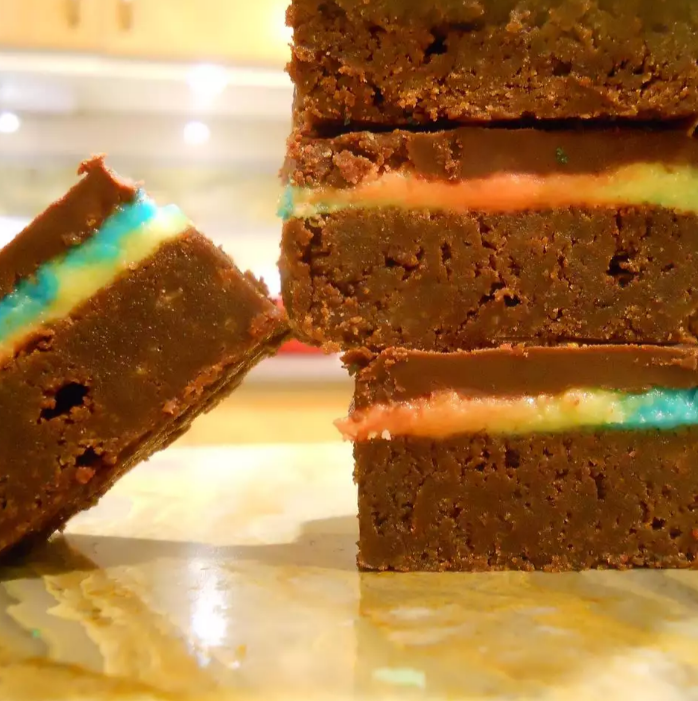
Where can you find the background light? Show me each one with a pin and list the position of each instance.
(207, 80)
(9, 122)
(196, 133)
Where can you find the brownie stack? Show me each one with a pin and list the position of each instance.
(491, 209)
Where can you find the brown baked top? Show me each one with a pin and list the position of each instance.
(399, 13)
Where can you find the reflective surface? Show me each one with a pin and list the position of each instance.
(228, 573)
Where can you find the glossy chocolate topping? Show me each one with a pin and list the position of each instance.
(67, 222)
(463, 153)
(399, 375)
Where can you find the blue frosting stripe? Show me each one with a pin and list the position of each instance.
(286, 204)
(661, 408)
(105, 245)
(33, 295)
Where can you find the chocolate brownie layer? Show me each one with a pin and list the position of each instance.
(443, 281)
(569, 501)
(398, 62)
(398, 375)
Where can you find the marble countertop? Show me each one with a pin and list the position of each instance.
(228, 573)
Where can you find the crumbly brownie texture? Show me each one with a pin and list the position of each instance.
(416, 62)
(86, 398)
(610, 499)
(475, 152)
(440, 281)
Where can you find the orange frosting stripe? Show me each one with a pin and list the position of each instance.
(502, 192)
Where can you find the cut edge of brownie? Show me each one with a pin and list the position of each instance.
(552, 502)
(441, 281)
(213, 394)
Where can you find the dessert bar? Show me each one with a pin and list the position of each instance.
(119, 324)
(562, 458)
(474, 237)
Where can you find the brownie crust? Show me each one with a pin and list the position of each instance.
(573, 501)
(358, 63)
(122, 377)
(399, 375)
(443, 281)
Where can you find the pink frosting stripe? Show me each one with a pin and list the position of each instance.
(442, 415)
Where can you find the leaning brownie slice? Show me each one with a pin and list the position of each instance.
(562, 458)
(119, 324)
(419, 62)
(474, 237)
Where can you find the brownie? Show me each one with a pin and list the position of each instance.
(86, 397)
(489, 204)
(387, 63)
(398, 274)
(608, 496)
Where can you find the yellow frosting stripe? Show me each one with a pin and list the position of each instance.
(446, 413)
(76, 284)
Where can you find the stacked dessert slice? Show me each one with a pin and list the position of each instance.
(518, 301)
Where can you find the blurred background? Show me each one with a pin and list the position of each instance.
(191, 97)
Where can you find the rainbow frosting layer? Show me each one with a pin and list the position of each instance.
(446, 413)
(670, 186)
(127, 237)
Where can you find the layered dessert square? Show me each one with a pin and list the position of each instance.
(119, 324)
(473, 237)
(378, 63)
(552, 458)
